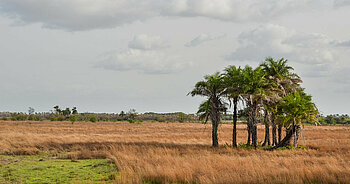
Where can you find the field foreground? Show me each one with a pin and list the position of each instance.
(181, 152)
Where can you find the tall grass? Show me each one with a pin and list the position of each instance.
(181, 152)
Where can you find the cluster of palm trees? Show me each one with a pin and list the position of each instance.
(270, 90)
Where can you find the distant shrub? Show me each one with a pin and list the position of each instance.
(160, 119)
(37, 118)
(131, 120)
(14, 118)
(60, 118)
(73, 118)
(53, 118)
(181, 117)
(93, 118)
(31, 117)
(19, 117)
(4, 118)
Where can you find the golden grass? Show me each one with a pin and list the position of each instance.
(181, 152)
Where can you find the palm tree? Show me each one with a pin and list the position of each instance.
(281, 74)
(213, 88)
(204, 111)
(295, 109)
(233, 82)
(256, 89)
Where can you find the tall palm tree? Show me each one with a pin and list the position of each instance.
(281, 74)
(233, 82)
(213, 88)
(256, 89)
(295, 109)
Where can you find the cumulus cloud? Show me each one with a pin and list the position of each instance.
(278, 41)
(91, 14)
(143, 61)
(201, 39)
(145, 42)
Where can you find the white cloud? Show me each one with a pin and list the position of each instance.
(144, 61)
(201, 39)
(277, 41)
(90, 14)
(145, 42)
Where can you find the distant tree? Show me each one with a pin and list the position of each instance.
(73, 118)
(181, 117)
(132, 114)
(57, 109)
(66, 112)
(31, 110)
(74, 110)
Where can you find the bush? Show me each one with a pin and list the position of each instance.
(73, 118)
(93, 118)
(131, 120)
(60, 118)
(37, 118)
(4, 118)
(31, 117)
(53, 118)
(160, 119)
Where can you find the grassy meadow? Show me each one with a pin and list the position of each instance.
(151, 152)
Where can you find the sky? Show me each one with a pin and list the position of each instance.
(114, 55)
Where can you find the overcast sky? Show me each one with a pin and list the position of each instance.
(113, 55)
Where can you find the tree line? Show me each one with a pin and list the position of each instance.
(270, 90)
(72, 114)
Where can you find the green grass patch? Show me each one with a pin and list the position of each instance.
(46, 169)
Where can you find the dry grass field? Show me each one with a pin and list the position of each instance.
(181, 152)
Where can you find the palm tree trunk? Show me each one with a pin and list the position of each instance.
(297, 133)
(249, 133)
(294, 128)
(286, 139)
(249, 128)
(254, 136)
(215, 118)
(274, 136)
(254, 109)
(215, 134)
(234, 131)
(267, 129)
(290, 129)
(279, 133)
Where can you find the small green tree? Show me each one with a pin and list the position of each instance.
(93, 118)
(295, 109)
(73, 118)
(181, 117)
